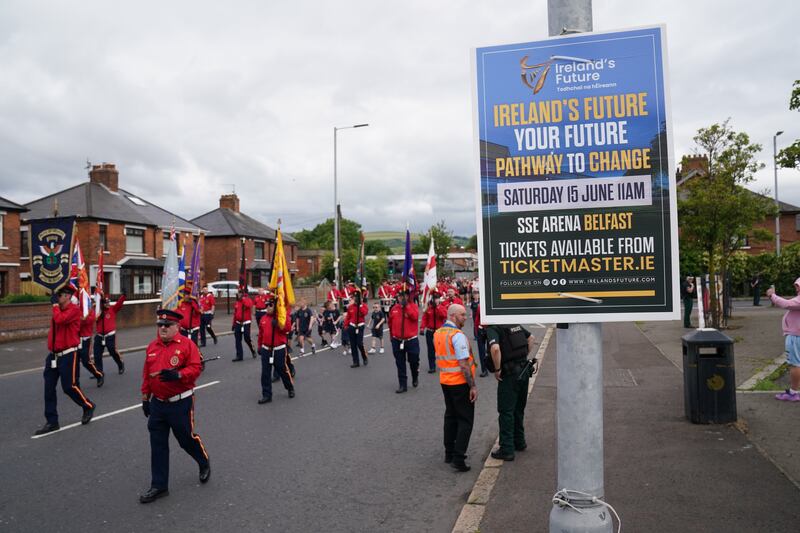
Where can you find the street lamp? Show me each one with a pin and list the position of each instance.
(336, 280)
(777, 205)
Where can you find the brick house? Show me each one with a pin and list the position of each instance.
(227, 229)
(693, 167)
(130, 230)
(10, 247)
(309, 262)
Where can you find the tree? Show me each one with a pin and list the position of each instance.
(376, 248)
(472, 243)
(321, 237)
(718, 213)
(376, 271)
(789, 157)
(442, 241)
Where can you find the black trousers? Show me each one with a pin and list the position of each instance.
(205, 326)
(67, 371)
(278, 365)
(86, 361)
(356, 335)
(410, 352)
(459, 414)
(101, 342)
(178, 417)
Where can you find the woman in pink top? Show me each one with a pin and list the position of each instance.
(791, 329)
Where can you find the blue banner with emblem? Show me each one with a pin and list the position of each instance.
(51, 250)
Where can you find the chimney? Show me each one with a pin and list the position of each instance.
(696, 162)
(105, 174)
(229, 201)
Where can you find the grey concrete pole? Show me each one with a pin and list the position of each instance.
(335, 217)
(777, 205)
(579, 381)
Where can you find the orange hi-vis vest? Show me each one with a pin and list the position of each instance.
(449, 370)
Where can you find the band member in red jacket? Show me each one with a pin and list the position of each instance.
(272, 339)
(405, 345)
(191, 313)
(106, 334)
(356, 317)
(86, 331)
(171, 367)
(242, 312)
(207, 305)
(432, 319)
(63, 342)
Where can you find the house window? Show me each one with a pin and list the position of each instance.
(3, 284)
(259, 247)
(138, 281)
(2, 221)
(134, 240)
(24, 252)
(165, 245)
(104, 236)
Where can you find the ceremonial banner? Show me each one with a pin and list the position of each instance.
(409, 276)
(281, 282)
(195, 269)
(170, 282)
(429, 278)
(575, 186)
(51, 250)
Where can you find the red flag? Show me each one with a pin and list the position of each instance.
(98, 284)
(242, 274)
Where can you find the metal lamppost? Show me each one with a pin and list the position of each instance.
(337, 281)
(777, 205)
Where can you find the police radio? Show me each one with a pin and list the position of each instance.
(530, 368)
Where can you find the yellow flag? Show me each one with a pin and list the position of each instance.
(281, 282)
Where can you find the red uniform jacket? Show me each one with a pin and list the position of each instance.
(189, 310)
(180, 353)
(107, 319)
(403, 325)
(448, 302)
(265, 337)
(356, 315)
(207, 302)
(260, 302)
(476, 319)
(242, 310)
(64, 328)
(333, 295)
(87, 324)
(434, 317)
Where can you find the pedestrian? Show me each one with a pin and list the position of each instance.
(479, 331)
(791, 330)
(272, 341)
(106, 334)
(85, 332)
(356, 317)
(687, 295)
(377, 320)
(63, 342)
(207, 307)
(509, 347)
(190, 311)
(457, 378)
(242, 310)
(171, 367)
(432, 319)
(304, 320)
(755, 284)
(403, 330)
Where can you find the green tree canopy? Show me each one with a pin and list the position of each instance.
(321, 237)
(442, 241)
(789, 157)
(376, 248)
(472, 243)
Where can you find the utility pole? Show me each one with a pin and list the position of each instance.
(777, 204)
(579, 381)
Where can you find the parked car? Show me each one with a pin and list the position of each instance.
(227, 288)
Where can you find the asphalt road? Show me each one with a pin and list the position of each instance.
(347, 454)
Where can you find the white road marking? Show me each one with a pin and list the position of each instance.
(112, 413)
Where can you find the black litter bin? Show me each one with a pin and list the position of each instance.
(709, 380)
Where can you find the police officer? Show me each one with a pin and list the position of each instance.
(171, 366)
(241, 325)
(63, 343)
(403, 329)
(457, 377)
(509, 347)
(106, 334)
(272, 340)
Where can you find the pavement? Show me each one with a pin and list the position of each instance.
(663, 473)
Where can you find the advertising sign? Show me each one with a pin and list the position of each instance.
(51, 251)
(577, 213)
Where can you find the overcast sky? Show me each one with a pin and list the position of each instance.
(190, 98)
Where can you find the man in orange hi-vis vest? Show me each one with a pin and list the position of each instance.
(457, 377)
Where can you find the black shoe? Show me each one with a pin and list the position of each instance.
(275, 379)
(291, 393)
(460, 466)
(401, 390)
(354, 366)
(215, 340)
(503, 456)
(88, 413)
(415, 381)
(121, 367)
(521, 448)
(47, 428)
(264, 400)
(237, 359)
(448, 458)
(366, 361)
(100, 381)
(205, 473)
(484, 373)
(313, 349)
(152, 495)
(431, 371)
(253, 354)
